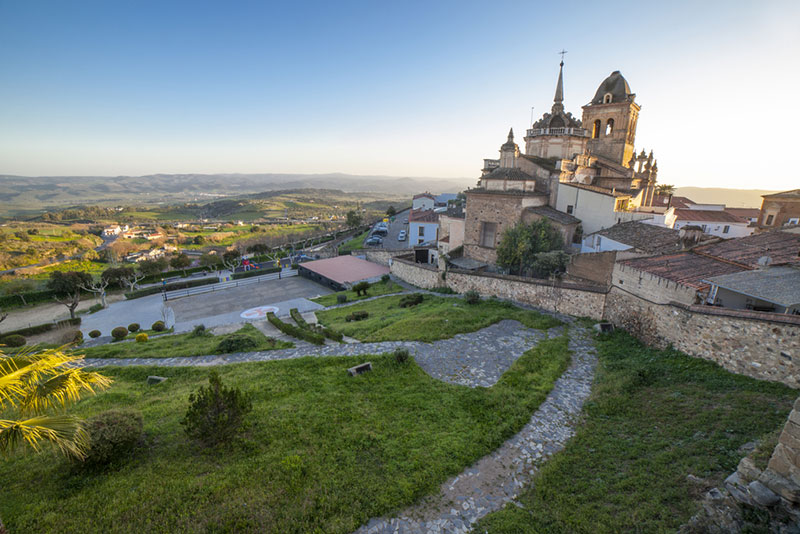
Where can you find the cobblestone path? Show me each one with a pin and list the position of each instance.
(497, 478)
(474, 359)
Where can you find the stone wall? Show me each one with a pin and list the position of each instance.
(594, 266)
(650, 286)
(419, 274)
(760, 345)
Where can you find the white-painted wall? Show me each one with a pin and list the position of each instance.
(429, 232)
(422, 203)
(718, 228)
(595, 210)
(599, 243)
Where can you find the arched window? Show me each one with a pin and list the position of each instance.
(596, 130)
(610, 127)
(607, 98)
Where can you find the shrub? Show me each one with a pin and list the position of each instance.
(216, 413)
(200, 331)
(357, 316)
(236, 343)
(411, 300)
(13, 340)
(341, 299)
(112, 436)
(94, 308)
(119, 333)
(361, 288)
(294, 266)
(401, 355)
(78, 337)
(295, 331)
(142, 337)
(385, 278)
(472, 297)
(133, 327)
(443, 290)
(158, 326)
(95, 333)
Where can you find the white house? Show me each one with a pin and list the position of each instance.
(423, 227)
(713, 219)
(597, 207)
(635, 237)
(423, 201)
(115, 230)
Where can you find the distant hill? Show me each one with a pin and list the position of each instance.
(734, 198)
(23, 195)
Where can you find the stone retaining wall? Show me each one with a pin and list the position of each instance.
(765, 346)
(572, 299)
(419, 274)
(759, 345)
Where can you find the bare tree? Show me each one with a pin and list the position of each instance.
(133, 279)
(231, 259)
(98, 287)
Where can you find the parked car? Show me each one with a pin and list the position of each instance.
(374, 240)
(401, 236)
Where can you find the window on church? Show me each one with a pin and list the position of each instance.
(596, 130)
(488, 234)
(609, 126)
(607, 98)
(769, 220)
(726, 229)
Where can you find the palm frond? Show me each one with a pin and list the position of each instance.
(59, 391)
(61, 431)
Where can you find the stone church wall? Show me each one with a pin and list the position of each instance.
(419, 274)
(382, 256)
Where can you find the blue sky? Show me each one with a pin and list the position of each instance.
(403, 88)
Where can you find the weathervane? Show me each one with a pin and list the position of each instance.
(563, 53)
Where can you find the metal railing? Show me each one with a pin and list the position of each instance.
(179, 293)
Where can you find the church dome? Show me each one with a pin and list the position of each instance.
(616, 86)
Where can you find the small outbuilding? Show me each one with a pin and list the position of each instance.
(342, 271)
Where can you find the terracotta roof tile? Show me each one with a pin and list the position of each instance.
(424, 216)
(685, 268)
(781, 247)
(706, 216)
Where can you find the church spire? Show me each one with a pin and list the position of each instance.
(558, 100)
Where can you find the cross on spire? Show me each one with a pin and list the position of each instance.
(563, 53)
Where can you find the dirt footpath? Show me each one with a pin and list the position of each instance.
(46, 313)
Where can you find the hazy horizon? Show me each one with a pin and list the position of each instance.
(101, 89)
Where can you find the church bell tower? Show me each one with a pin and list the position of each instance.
(610, 120)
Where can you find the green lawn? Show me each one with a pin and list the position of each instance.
(375, 290)
(324, 453)
(355, 243)
(654, 417)
(436, 318)
(173, 346)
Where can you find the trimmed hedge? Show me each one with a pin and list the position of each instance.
(185, 284)
(142, 337)
(318, 328)
(113, 435)
(255, 272)
(294, 331)
(158, 326)
(95, 333)
(42, 328)
(31, 297)
(150, 278)
(13, 340)
(119, 333)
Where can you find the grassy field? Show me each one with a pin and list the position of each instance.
(436, 318)
(19, 248)
(324, 452)
(377, 289)
(654, 417)
(180, 345)
(355, 243)
(233, 234)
